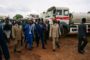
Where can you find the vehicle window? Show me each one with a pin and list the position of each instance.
(59, 12)
(66, 12)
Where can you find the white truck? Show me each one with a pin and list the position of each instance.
(69, 21)
(76, 20)
(32, 16)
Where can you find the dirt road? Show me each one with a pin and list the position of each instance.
(67, 51)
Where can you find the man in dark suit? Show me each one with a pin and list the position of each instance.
(46, 33)
(39, 30)
(3, 45)
(82, 36)
(7, 29)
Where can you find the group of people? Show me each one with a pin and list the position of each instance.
(25, 33)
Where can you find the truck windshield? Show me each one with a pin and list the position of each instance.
(58, 12)
(66, 12)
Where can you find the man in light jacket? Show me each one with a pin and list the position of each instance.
(54, 34)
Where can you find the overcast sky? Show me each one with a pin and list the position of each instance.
(24, 7)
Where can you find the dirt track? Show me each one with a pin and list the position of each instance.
(67, 51)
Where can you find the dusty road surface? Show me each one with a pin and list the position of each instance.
(67, 51)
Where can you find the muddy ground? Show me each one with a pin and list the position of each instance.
(67, 51)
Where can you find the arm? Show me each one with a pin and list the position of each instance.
(13, 32)
(50, 34)
(59, 30)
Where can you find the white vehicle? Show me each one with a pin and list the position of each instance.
(69, 22)
(76, 20)
(59, 13)
(32, 16)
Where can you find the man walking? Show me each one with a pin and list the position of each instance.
(7, 29)
(54, 33)
(47, 29)
(82, 36)
(29, 34)
(39, 28)
(3, 45)
(17, 35)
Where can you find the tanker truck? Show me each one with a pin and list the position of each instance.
(75, 20)
(68, 21)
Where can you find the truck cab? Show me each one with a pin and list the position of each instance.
(61, 14)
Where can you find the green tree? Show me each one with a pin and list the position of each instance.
(17, 16)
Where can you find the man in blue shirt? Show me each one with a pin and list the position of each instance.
(28, 30)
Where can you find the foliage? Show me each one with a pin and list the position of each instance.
(18, 16)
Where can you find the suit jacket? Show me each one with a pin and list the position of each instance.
(3, 43)
(39, 28)
(28, 30)
(54, 30)
(17, 32)
(7, 27)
